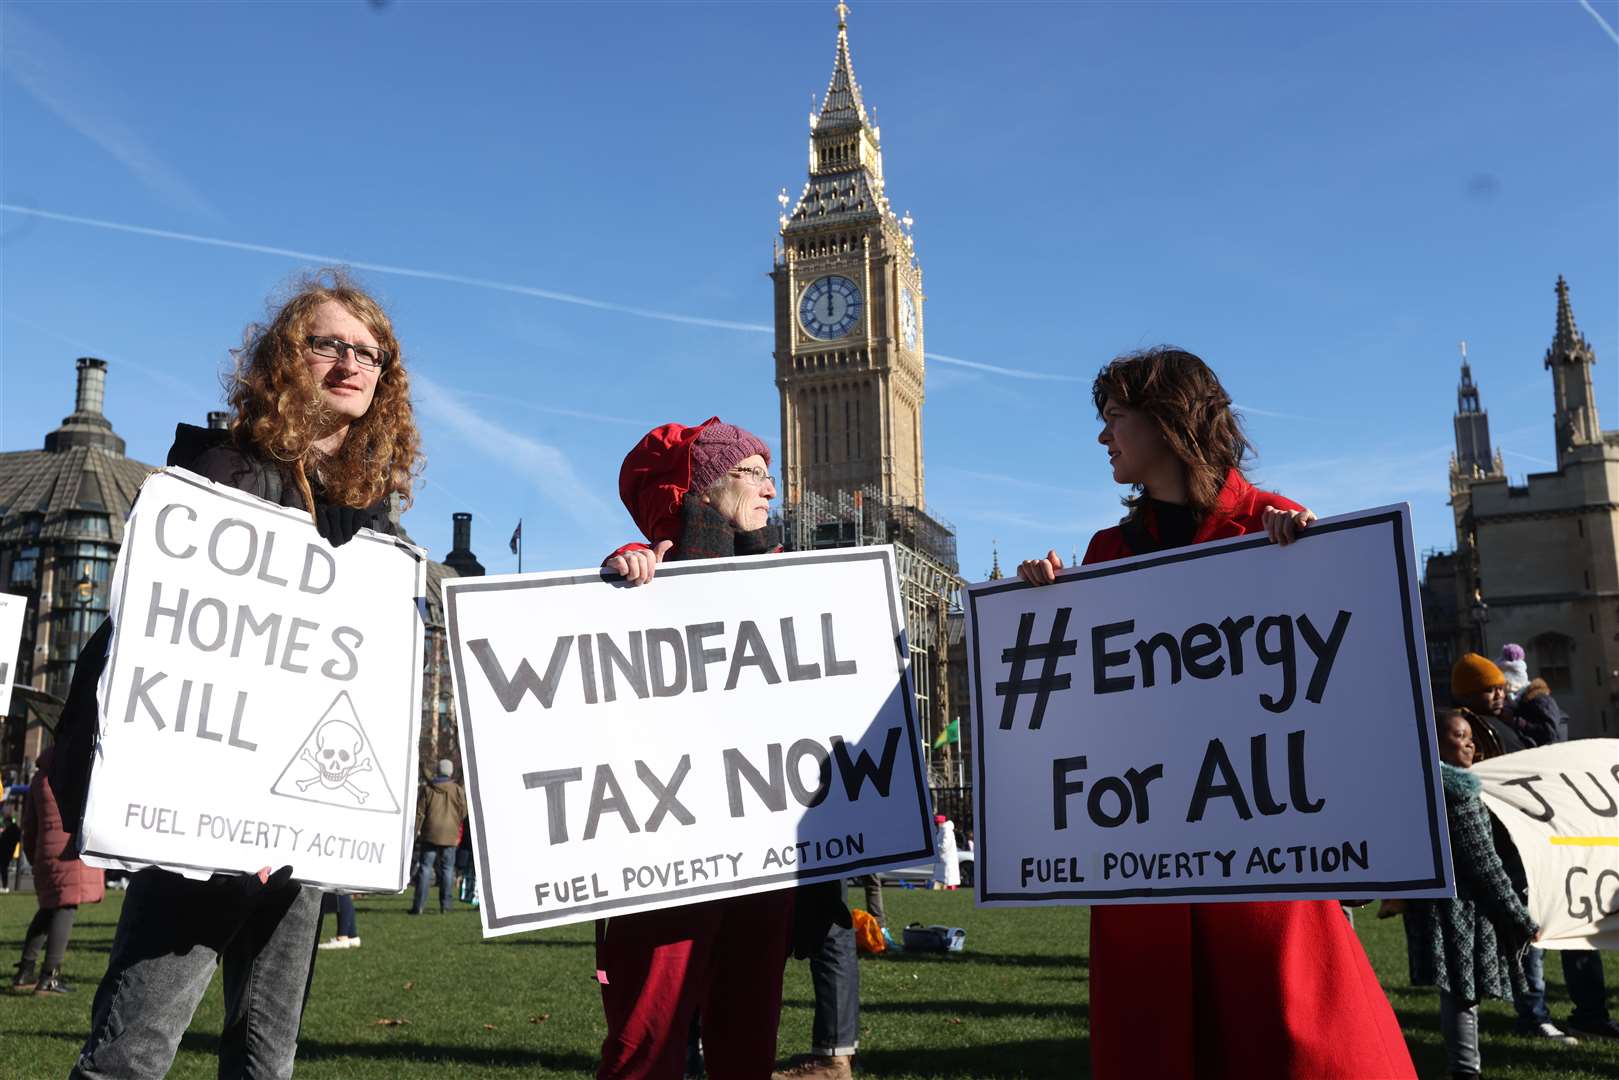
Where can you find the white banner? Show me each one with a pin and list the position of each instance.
(735, 726)
(1560, 804)
(12, 609)
(1230, 721)
(262, 696)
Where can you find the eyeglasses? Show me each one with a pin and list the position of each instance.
(754, 475)
(367, 356)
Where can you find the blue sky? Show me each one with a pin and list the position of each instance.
(1319, 199)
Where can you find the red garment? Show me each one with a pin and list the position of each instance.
(59, 882)
(723, 959)
(655, 477)
(1249, 991)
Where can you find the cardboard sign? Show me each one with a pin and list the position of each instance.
(12, 610)
(1560, 804)
(262, 695)
(1228, 721)
(734, 726)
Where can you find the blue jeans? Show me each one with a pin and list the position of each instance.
(1582, 971)
(342, 904)
(835, 975)
(444, 857)
(172, 935)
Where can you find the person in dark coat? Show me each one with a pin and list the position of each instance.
(1478, 688)
(1470, 947)
(1538, 715)
(10, 837)
(698, 492)
(441, 807)
(320, 420)
(61, 883)
(1238, 990)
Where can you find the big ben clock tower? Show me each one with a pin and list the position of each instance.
(848, 314)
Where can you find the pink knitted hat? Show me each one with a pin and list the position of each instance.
(719, 449)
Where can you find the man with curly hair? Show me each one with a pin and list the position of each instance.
(321, 421)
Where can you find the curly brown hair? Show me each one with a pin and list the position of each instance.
(277, 411)
(1192, 411)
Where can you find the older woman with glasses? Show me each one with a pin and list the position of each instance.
(320, 420)
(698, 492)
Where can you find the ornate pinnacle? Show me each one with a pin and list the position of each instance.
(1568, 335)
(843, 15)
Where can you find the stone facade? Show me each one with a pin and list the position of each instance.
(1538, 564)
(849, 366)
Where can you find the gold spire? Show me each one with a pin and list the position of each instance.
(843, 15)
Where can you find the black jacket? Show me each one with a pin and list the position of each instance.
(208, 452)
(1543, 722)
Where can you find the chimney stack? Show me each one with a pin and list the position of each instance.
(461, 559)
(217, 419)
(88, 424)
(92, 394)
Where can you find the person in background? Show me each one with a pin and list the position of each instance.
(320, 421)
(1514, 669)
(61, 883)
(348, 931)
(467, 866)
(441, 806)
(1479, 690)
(1249, 990)
(10, 848)
(1470, 947)
(946, 868)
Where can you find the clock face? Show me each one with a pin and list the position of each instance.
(907, 318)
(830, 307)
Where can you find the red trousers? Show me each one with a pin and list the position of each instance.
(724, 958)
(1254, 991)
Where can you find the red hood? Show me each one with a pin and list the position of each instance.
(655, 477)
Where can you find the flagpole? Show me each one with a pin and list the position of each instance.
(519, 545)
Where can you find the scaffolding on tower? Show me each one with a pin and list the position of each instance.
(930, 590)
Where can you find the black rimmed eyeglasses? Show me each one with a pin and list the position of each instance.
(332, 348)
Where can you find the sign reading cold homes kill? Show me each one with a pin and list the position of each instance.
(1230, 721)
(734, 726)
(261, 698)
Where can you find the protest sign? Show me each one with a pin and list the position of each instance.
(1560, 805)
(261, 699)
(1229, 721)
(12, 609)
(735, 726)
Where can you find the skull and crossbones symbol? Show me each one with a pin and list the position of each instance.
(336, 758)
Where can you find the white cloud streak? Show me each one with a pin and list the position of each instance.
(1586, 4)
(488, 284)
(45, 70)
(545, 467)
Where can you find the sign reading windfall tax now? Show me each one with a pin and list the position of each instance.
(734, 726)
(1230, 721)
(262, 694)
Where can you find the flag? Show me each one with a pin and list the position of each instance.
(951, 734)
(517, 535)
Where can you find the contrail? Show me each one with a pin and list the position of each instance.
(1586, 4)
(482, 283)
(399, 271)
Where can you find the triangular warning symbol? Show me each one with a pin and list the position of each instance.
(337, 766)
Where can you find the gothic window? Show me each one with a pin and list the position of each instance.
(848, 431)
(25, 569)
(1552, 661)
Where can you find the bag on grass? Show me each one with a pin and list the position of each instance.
(868, 932)
(919, 938)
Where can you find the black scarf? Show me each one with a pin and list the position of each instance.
(705, 533)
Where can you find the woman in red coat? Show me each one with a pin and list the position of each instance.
(1239, 990)
(61, 884)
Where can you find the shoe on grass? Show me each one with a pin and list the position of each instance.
(26, 980)
(817, 1067)
(340, 943)
(1606, 1028)
(1550, 1032)
(51, 982)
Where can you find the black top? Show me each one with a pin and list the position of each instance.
(1176, 524)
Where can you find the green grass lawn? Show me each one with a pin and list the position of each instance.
(1014, 1005)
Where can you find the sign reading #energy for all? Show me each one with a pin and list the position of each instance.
(1229, 721)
